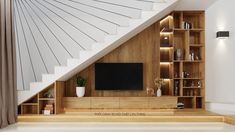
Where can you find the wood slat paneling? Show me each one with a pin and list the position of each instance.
(143, 48)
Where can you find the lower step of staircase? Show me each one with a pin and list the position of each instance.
(230, 120)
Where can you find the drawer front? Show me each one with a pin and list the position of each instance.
(104, 102)
(105, 99)
(133, 104)
(104, 105)
(163, 102)
(134, 99)
(77, 103)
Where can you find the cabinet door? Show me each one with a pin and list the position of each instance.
(77, 103)
(104, 102)
(162, 102)
(133, 102)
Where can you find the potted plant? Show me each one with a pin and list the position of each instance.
(81, 83)
(159, 83)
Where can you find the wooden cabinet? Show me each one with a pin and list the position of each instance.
(184, 75)
(120, 102)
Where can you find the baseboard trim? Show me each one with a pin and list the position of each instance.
(221, 108)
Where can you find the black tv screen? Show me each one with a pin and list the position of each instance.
(119, 76)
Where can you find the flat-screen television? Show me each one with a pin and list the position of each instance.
(119, 76)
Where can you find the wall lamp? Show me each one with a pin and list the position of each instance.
(222, 34)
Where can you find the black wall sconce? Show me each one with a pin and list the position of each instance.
(222, 34)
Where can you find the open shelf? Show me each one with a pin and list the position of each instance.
(29, 109)
(196, 37)
(166, 71)
(188, 58)
(166, 55)
(177, 18)
(196, 18)
(52, 96)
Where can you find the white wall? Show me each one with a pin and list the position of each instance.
(220, 61)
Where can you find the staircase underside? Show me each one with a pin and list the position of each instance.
(97, 49)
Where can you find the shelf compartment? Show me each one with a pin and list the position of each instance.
(191, 92)
(166, 39)
(187, 101)
(166, 55)
(199, 102)
(192, 70)
(167, 88)
(193, 84)
(165, 69)
(178, 17)
(48, 92)
(34, 99)
(29, 109)
(196, 37)
(180, 42)
(195, 18)
(177, 90)
(43, 103)
(166, 22)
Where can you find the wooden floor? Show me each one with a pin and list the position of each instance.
(130, 116)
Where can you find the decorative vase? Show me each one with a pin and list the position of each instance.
(178, 54)
(159, 92)
(80, 91)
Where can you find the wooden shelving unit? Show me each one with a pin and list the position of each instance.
(36, 104)
(184, 74)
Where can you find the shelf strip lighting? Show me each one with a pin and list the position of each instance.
(165, 63)
(166, 18)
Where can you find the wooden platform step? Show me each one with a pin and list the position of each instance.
(128, 116)
(76, 118)
(230, 120)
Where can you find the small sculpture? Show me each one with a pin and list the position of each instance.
(199, 84)
(150, 91)
(179, 54)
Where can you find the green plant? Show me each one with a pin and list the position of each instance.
(81, 82)
(49, 93)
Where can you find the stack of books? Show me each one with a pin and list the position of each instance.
(48, 109)
(187, 25)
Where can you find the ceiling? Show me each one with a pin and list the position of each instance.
(194, 4)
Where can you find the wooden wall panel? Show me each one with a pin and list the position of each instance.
(59, 90)
(143, 48)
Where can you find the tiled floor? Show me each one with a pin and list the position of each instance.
(120, 127)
